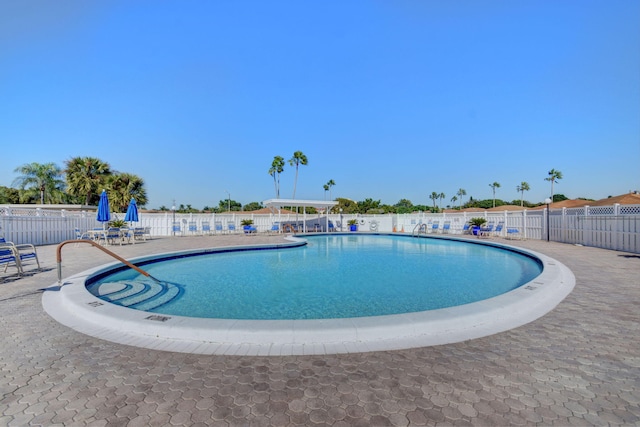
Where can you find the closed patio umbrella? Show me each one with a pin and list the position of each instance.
(103, 209)
(132, 212)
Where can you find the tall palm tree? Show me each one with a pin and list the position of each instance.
(277, 166)
(524, 186)
(554, 176)
(45, 178)
(461, 192)
(441, 196)
(298, 159)
(86, 176)
(493, 187)
(326, 188)
(453, 200)
(434, 196)
(330, 184)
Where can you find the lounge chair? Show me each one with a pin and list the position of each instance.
(9, 256)
(112, 235)
(21, 253)
(126, 234)
(435, 226)
(206, 228)
(275, 228)
(218, 227)
(193, 227)
(466, 228)
(332, 227)
(498, 230)
(486, 231)
(82, 236)
(139, 233)
(446, 227)
(513, 233)
(231, 227)
(249, 229)
(175, 229)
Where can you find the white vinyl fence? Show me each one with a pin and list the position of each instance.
(611, 227)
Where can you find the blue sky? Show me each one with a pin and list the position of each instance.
(390, 99)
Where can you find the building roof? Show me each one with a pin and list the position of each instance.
(280, 203)
(503, 208)
(623, 199)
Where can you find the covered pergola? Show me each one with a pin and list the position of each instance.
(276, 205)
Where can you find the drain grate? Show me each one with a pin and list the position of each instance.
(157, 318)
(95, 303)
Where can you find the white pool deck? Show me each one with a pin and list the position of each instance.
(72, 305)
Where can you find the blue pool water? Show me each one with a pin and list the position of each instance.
(334, 276)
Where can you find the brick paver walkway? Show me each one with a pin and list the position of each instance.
(578, 365)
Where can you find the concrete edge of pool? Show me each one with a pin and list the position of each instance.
(74, 306)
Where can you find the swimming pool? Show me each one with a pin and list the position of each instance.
(74, 306)
(333, 276)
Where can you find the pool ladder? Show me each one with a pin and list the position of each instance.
(419, 229)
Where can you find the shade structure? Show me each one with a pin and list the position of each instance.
(132, 212)
(103, 208)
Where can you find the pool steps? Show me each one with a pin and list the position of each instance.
(144, 295)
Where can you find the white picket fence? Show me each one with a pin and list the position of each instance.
(611, 227)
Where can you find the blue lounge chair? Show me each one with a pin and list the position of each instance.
(113, 234)
(513, 233)
(231, 227)
(446, 227)
(140, 233)
(21, 253)
(435, 226)
(218, 227)
(193, 227)
(486, 231)
(9, 256)
(175, 229)
(206, 228)
(249, 229)
(466, 228)
(275, 228)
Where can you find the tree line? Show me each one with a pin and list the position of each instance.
(83, 179)
(80, 182)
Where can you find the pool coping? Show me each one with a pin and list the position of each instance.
(74, 306)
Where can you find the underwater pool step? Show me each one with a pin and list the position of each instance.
(141, 295)
(171, 292)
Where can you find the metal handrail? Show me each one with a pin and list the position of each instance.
(105, 250)
(420, 228)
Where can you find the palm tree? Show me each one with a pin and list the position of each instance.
(298, 159)
(330, 184)
(277, 166)
(441, 196)
(86, 176)
(524, 186)
(434, 196)
(45, 178)
(493, 187)
(124, 186)
(461, 192)
(326, 188)
(554, 176)
(454, 199)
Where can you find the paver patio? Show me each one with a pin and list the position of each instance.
(578, 365)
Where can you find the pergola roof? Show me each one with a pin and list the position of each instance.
(281, 203)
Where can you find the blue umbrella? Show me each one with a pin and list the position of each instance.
(103, 208)
(132, 211)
